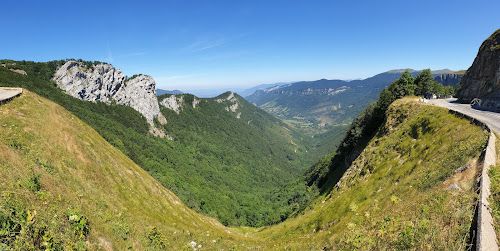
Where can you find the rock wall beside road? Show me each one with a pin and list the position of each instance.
(482, 79)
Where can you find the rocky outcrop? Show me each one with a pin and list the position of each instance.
(174, 103)
(449, 79)
(482, 79)
(139, 93)
(104, 83)
(233, 103)
(10, 65)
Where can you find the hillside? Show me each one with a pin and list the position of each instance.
(233, 156)
(399, 192)
(317, 106)
(221, 163)
(69, 188)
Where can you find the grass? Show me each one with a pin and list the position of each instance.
(63, 186)
(494, 173)
(494, 199)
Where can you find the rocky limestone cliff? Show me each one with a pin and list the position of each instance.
(482, 79)
(448, 79)
(233, 103)
(107, 84)
(174, 103)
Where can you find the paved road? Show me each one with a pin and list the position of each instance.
(492, 119)
(6, 93)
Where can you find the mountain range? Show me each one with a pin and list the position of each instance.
(161, 92)
(317, 106)
(322, 104)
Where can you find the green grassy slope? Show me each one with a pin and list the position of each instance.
(62, 185)
(393, 196)
(494, 199)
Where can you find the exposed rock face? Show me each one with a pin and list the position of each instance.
(195, 102)
(139, 93)
(106, 84)
(8, 65)
(482, 79)
(448, 79)
(233, 103)
(174, 103)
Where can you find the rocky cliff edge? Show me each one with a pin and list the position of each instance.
(104, 83)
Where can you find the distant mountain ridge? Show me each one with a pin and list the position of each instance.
(160, 92)
(320, 104)
(250, 91)
(434, 72)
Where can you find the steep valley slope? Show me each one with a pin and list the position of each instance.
(402, 192)
(63, 185)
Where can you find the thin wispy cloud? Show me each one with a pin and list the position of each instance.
(226, 55)
(133, 54)
(210, 43)
(202, 45)
(110, 55)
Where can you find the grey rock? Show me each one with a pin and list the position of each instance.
(448, 79)
(482, 79)
(462, 168)
(454, 187)
(107, 84)
(174, 103)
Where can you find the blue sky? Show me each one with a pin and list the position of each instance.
(221, 44)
